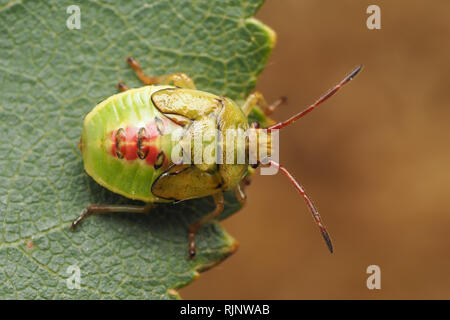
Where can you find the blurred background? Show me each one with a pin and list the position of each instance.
(375, 159)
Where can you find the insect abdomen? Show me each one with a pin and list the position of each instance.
(126, 143)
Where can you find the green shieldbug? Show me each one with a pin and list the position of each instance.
(127, 145)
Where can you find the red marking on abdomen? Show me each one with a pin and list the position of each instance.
(152, 153)
(129, 148)
(128, 143)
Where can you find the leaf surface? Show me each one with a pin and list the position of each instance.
(50, 77)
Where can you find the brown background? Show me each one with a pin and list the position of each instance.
(375, 159)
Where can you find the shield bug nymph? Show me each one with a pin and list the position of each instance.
(127, 145)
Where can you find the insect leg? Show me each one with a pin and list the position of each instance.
(180, 79)
(105, 208)
(274, 105)
(240, 194)
(193, 229)
(122, 86)
(256, 99)
(148, 80)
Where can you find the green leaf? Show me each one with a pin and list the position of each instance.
(50, 77)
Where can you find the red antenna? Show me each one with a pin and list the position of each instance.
(299, 188)
(313, 209)
(319, 101)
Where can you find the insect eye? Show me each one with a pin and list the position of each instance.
(256, 125)
(255, 165)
